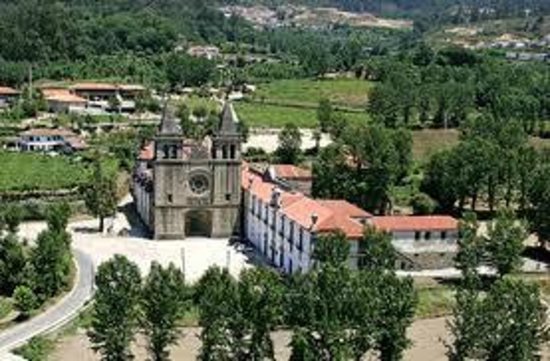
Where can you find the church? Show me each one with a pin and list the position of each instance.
(186, 187)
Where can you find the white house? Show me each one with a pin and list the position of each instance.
(48, 140)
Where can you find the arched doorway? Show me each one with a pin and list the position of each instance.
(198, 223)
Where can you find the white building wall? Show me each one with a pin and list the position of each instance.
(425, 241)
(288, 246)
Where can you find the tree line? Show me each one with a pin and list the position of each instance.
(444, 89)
(334, 312)
(33, 275)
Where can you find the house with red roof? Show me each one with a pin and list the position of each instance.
(282, 223)
(295, 177)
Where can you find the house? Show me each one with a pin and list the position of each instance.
(422, 242)
(208, 52)
(62, 100)
(101, 95)
(50, 140)
(283, 224)
(8, 96)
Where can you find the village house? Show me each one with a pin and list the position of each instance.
(283, 224)
(209, 52)
(8, 96)
(61, 100)
(50, 140)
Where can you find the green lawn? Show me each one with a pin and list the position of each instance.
(5, 307)
(344, 92)
(434, 302)
(272, 116)
(27, 171)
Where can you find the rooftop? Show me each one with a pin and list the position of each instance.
(61, 95)
(289, 171)
(332, 215)
(412, 223)
(4, 90)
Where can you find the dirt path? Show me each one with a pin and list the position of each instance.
(426, 335)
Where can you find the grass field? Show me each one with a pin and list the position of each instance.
(434, 301)
(429, 141)
(273, 116)
(25, 171)
(343, 92)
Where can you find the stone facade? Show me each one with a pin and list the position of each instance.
(196, 184)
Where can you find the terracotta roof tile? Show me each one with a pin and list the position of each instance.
(4, 90)
(289, 171)
(332, 215)
(412, 223)
(61, 95)
(94, 86)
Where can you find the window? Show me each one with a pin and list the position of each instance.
(232, 151)
(282, 227)
(427, 236)
(417, 236)
(443, 235)
(227, 196)
(224, 152)
(169, 197)
(301, 240)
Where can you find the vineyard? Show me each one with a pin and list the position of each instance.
(31, 172)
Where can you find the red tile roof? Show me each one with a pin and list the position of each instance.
(62, 95)
(289, 171)
(94, 86)
(49, 132)
(332, 215)
(413, 223)
(4, 90)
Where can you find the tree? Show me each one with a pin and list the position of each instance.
(163, 299)
(25, 300)
(422, 204)
(332, 248)
(238, 316)
(184, 70)
(539, 196)
(12, 216)
(513, 322)
(12, 263)
(471, 251)
(215, 297)
(100, 193)
(377, 252)
(115, 315)
(324, 114)
(505, 243)
(290, 143)
(465, 326)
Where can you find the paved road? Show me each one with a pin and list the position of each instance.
(57, 315)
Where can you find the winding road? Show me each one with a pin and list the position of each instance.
(57, 315)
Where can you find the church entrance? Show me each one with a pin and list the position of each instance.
(198, 223)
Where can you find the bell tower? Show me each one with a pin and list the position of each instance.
(226, 159)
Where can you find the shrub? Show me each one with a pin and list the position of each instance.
(422, 204)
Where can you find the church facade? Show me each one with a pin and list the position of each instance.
(186, 187)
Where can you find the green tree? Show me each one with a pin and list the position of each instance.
(331, 249)
(539, 196)
(422, 204)
(465, 326)
(52, 262)
(505, 243)
(12, 263)
(25, 300)
(324, 114)
(215, 296)
(12, 216)
(100, 193)
(514, 322)
(162, 302)
(115, 315)
(377, 252)
(471, 251)
(290, 143)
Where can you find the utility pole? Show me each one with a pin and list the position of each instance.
(30, 82)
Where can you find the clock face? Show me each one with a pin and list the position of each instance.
(198, 184)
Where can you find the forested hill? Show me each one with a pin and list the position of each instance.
(457, 10)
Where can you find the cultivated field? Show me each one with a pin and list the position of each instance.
(342, 92)
(26, 171)
(274, 116)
